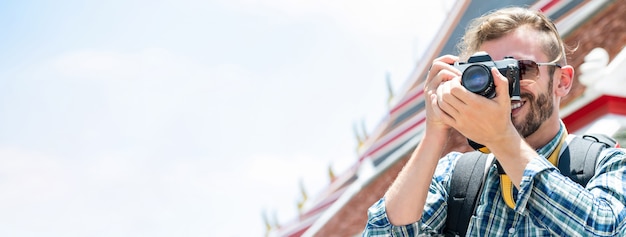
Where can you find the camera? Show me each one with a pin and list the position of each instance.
(476, 75)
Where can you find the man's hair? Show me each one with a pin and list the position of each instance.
(501, 22)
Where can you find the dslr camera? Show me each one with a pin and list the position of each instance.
(477, 75)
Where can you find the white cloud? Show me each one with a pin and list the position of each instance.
(155, 182)
(156, 71)
(153, 95)
(178, 140)
(383, 18)
(125, 195)
(30, 176)
(150, 63)
(391, 34)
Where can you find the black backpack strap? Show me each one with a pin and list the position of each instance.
(602, 138)
(465, 185)
(469, 172)
(585, 150)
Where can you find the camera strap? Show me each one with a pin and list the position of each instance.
(506, 185)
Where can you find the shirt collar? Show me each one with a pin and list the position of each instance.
(547, 149)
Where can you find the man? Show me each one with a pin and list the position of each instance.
(521, 135)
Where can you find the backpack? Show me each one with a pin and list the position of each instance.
(576, 162)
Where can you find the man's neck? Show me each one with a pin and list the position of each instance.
(544, 134)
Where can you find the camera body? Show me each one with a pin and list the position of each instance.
(476, 75)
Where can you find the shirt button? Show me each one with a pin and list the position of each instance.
(511, 230)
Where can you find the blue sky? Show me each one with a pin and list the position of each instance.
(188, 118)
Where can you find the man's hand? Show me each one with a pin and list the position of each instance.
(486, 121)
(440, 72)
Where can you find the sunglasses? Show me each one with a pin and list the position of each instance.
(529, 69)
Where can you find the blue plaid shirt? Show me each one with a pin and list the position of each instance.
(547, 204)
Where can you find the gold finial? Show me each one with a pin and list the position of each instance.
(364, 130)
(304, 197)
(359, 139)
(275, 219)
(389, 89)
(268, 226)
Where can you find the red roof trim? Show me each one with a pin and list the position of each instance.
(549, 5)
(324, 204)
(379, 147)
(406, 101)
(595, 109)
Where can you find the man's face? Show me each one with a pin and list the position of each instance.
(537, 103)
(541, 108)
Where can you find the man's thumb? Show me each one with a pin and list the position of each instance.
(501, 83)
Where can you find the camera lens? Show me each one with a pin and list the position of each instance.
(477, 78)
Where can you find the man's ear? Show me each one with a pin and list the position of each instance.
(565, 81)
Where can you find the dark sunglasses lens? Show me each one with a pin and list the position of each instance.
(529, 69)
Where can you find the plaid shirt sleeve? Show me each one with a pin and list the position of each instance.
(435, 210)
(567, 208)
(378, 224)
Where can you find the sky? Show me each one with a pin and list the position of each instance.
(189, 118)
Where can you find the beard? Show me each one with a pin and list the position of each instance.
(541, 109)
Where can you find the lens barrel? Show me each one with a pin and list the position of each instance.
(477, 78)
